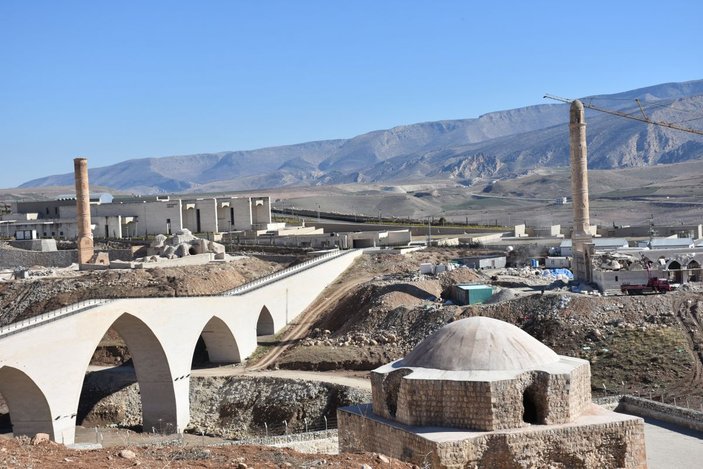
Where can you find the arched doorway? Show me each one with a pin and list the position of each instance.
(144, 362)
(674, 269)
(264, 325)
(216, 344)
(694, 271)
(533, 406)
(391, 388)
(28, 408)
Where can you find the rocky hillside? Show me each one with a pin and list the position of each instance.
(496, 145)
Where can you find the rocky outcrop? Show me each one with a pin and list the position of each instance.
(231, 407)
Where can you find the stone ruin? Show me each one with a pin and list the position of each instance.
(482, 393)
(183, 244)
(618, 261)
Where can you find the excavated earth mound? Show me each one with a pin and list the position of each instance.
(651, 344)
(23, 299)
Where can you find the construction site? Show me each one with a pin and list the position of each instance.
(622, 314)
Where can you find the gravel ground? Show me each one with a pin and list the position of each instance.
(649, 344)
(20, 453)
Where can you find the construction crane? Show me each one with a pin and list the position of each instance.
(644, 117)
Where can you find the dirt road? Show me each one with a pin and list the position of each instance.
(300, 328)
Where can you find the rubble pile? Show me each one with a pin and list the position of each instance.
(182, 244)
(620, 335)
(503, 294)
(617, 261)
(360, 338)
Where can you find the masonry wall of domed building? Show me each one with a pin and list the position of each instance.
(479, 389)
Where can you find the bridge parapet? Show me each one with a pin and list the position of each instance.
(92, 303)
(50, 316)
(42, 369)
(267, 279)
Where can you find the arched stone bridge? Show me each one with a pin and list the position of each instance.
(43, 361)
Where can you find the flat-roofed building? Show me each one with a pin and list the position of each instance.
(115, 218)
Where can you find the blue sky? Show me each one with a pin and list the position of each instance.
(118, 80)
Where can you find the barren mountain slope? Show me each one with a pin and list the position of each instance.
(500, 144)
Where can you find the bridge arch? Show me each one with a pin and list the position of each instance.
(220, 342)
(152, 370)
(29, 410)
(265, 325)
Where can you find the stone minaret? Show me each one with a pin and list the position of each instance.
(581, 234)
(85, 234)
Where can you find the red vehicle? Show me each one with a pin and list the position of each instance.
(653, 285)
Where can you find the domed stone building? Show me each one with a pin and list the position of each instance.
(483, 393)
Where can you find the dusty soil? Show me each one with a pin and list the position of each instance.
(22, 299)
(19, 452)
(651, 345)
(347, 296)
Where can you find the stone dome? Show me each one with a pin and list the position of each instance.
(479, 343)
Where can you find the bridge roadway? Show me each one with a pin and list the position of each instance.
(43, 361)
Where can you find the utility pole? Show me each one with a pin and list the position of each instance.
(429, 232)
(652, 233)
(644, 117)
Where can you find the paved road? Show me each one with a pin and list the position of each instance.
(672, 447)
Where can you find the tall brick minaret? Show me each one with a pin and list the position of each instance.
(582, 242)
(85, 234)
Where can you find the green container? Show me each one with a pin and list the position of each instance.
(472, 294)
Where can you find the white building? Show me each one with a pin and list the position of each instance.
(671, 242)
(601, 244)
(140, 216)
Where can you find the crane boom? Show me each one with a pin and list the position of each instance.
(644, 119)
(637, 100)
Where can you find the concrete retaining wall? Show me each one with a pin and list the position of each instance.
(11, 258)
(19, 258)
(282, 440)
(686, 418)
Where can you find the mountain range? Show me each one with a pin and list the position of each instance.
(502, 144)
